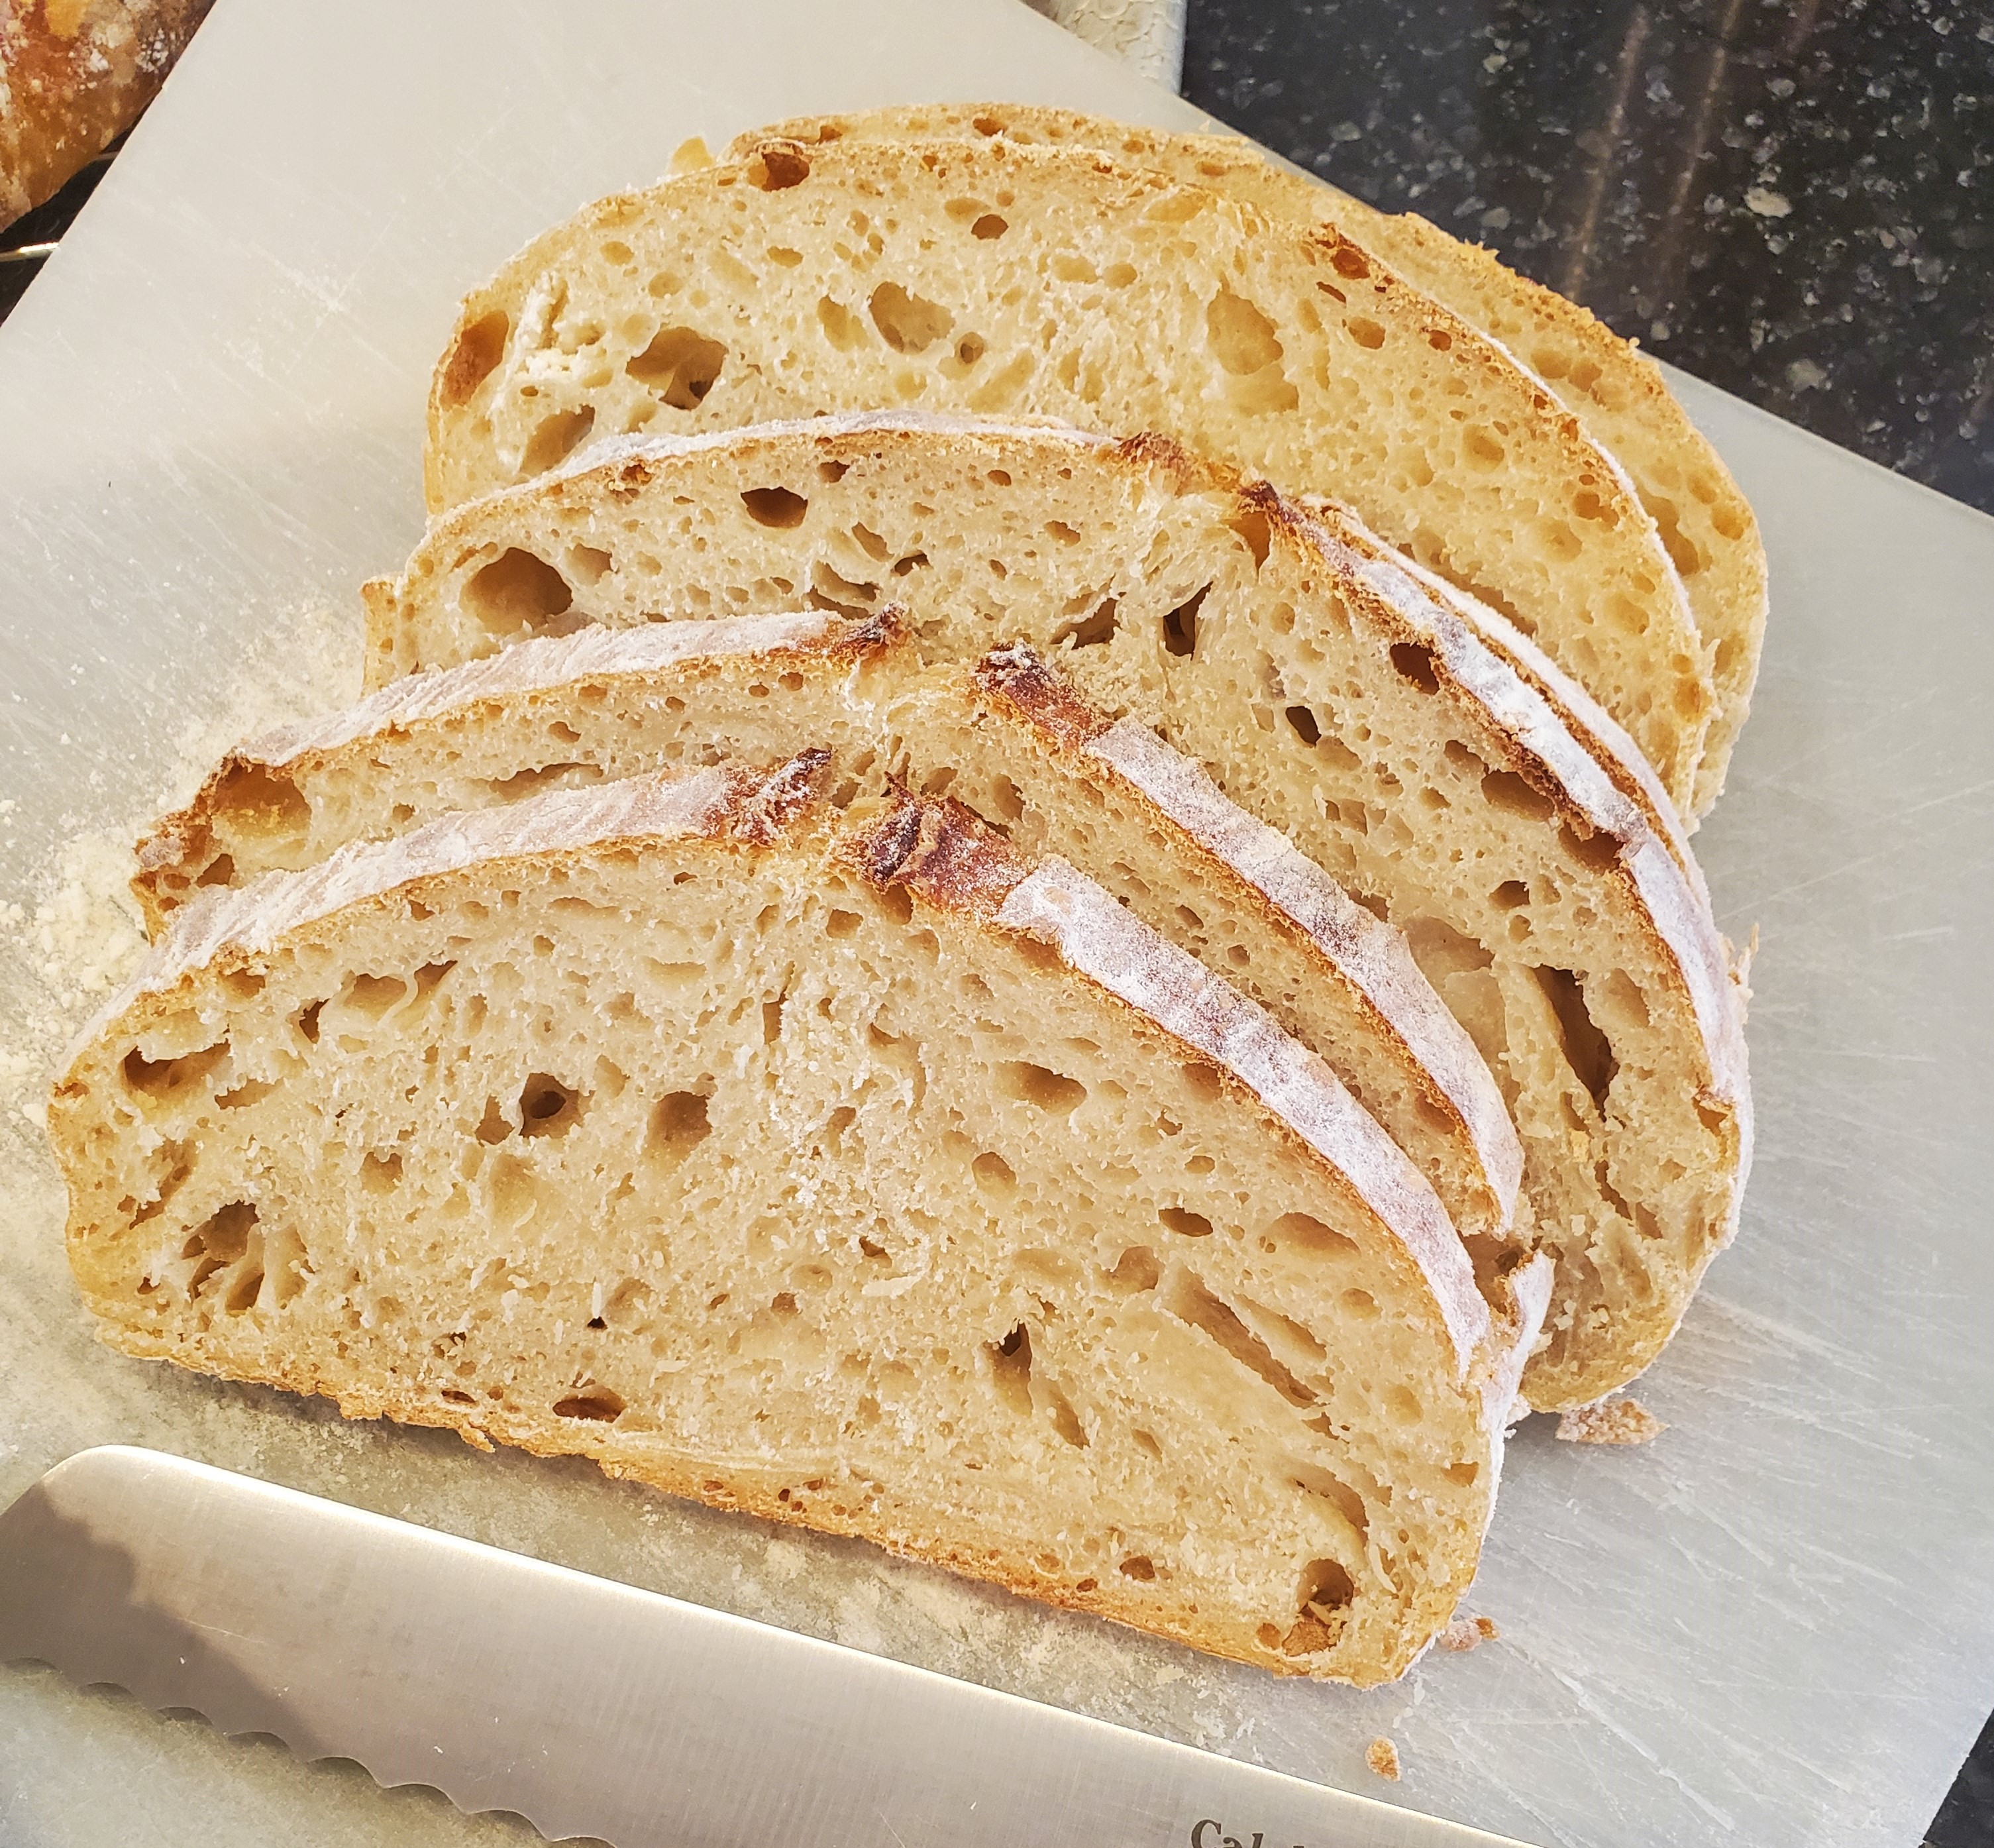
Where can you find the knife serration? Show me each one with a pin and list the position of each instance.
(588, 1707)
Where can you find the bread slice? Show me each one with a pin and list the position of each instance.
(988, 278)
(1617, 393)
(1009, 738)
(1325, 692)
(859, 1175)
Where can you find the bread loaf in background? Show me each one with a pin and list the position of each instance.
(74, 75)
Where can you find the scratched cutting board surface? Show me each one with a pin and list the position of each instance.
(1775, 1626)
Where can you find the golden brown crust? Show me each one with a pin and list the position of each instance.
(942, 852)
(76, 74)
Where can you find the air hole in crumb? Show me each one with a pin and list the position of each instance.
(372, 995)
(1587, 1050)
(1416, 664)
(1136, 1269)
(1307, 1231)
(989, 225)
(1092, 631)
(909, 324)
(841, 923)
(1047, 1090)
(775, 169)
(1011, 1369)
(472, 360)
(993, 1172)
(381, 1173)
(1306, 728)
(1190, 1301)
(776, 507)
(1364, 332)
(1180, 625)
(555, 439)
(598, 1404)
(163, 1078)
(1242, 339)
(681, 366)
(519, 592)
(1510, 894)
(1138, 1566)
(1184, 1222)
(547, 1107)
(1507, 790)
(678, 1125)
(1252, 528)
(1066, 1420)
(257, 800)
(1323, 1601)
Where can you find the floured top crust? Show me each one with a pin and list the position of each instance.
(942, 852)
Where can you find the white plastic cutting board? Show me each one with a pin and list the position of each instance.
(1774, 1627)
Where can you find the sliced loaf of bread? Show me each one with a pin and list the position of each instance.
(1008, 738)
(1325, 692)
(988, 278)
(1615, 392)
(859, 1173)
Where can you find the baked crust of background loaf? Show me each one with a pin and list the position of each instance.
(74, 75)
(1009, 738)
(987, 277)
(432, 1250)
(1616, 392)
(1325, 693)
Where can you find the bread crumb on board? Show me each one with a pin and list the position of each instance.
(1465, 1633)
(1382, 1757)
(1610, 1422)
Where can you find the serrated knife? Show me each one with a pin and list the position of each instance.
(588, 1707)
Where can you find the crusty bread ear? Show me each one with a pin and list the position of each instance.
(1328, 694)
(1010, 739)
(1616, 392)
(854, 1171)
(987, 278)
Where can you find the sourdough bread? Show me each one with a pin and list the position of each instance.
(857, 1174)
(1324, 692)
(1009, 739)
(1616, 392)
(988, 277)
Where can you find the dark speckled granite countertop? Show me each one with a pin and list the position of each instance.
(1793, 199)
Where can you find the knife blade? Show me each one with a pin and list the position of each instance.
(588, 1707)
